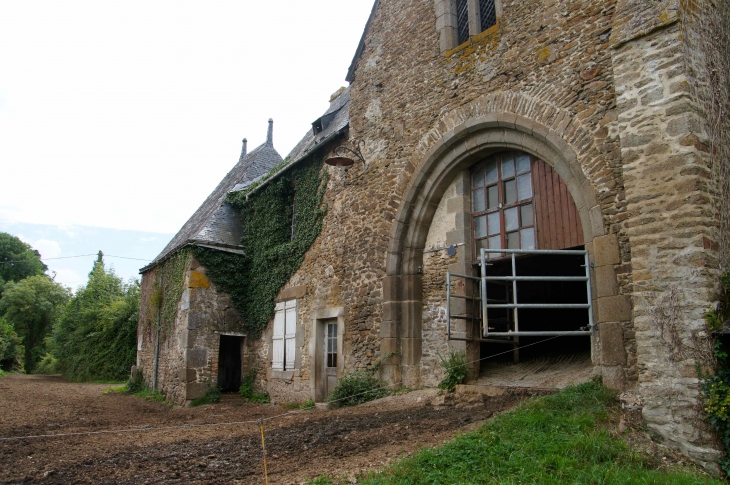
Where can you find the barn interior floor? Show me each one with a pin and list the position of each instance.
(547, 371)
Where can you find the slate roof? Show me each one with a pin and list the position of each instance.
(215, 223)
(340, 108)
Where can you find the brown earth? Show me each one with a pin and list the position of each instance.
(300, 444)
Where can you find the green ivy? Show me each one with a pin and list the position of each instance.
(716, 386)
(167, 291)
(271, 256)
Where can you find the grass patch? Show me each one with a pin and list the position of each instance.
(115, 390)
(455, 369)
(246, 391)
(290, 405)
(212, 396)
(150, 395)
(558, 439)
(357, 388)
(137, 390)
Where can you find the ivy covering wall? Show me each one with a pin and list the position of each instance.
(273, 252)
(167, 291)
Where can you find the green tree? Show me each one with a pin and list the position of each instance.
(96, 336)
(18, 260)
(11, 347)
(32, 306)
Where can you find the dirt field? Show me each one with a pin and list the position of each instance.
(300, 445)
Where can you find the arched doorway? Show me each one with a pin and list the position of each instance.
(448, 167)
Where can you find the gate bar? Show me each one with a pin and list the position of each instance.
(515, 305)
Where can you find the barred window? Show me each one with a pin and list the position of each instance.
(487, 14)
(462, 20)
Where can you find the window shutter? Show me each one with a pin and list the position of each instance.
(277, 339)
(290, 333)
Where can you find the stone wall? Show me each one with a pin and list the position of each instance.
(706, 48)
(172, 343)
(188, 353)
(435, 266)
(406, 96)
(671, 225)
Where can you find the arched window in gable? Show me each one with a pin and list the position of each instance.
(518, 202)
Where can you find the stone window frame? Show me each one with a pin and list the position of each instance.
(446, 22)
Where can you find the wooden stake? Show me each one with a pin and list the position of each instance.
(263, 447)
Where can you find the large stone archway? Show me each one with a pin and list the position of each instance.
(455, 152)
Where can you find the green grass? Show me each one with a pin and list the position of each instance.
(212, 396)
(143, 393)
(150, 395)
(556, 439)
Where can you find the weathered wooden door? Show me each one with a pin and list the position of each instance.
(330, 358)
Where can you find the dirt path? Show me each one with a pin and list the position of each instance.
(300, 445)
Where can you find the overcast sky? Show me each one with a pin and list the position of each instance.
(126, 114)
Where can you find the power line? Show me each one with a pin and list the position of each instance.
(77, 256)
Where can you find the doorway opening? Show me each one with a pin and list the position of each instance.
(538, 361)
(230, 363)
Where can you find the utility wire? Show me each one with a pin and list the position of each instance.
(69, 257)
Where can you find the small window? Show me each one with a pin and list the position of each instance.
(332, 345)
(460, 19)
(502, 203)
(284, 336)
(487, 14)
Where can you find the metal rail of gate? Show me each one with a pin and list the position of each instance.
(514, 305)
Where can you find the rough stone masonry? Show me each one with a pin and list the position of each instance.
(610, 95)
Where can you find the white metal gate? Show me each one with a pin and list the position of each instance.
(484, 302)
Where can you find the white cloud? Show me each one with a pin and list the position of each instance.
(47, 248)
(134, 129)
(69, 278)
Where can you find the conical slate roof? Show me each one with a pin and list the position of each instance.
(216, 223)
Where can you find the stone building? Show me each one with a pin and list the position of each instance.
(539, 124)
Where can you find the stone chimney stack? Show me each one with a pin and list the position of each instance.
(270, 134)
(244, 150)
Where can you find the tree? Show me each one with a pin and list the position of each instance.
(32, 306)
(96, 336)
(18, 260)
(11, 348)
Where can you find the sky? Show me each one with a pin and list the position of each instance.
(118, 118)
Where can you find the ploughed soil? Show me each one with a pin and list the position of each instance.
(214, 443)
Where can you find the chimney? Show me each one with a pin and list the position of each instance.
(270, 134)
(244, 150)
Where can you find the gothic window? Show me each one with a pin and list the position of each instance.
(502, 203)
